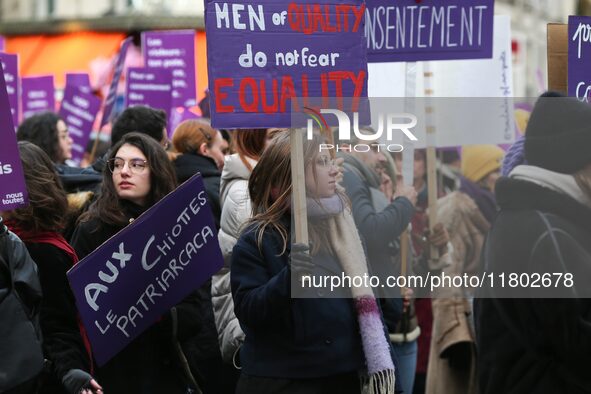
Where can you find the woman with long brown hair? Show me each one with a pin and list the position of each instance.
(137, 176)
(39, 225)
(334, 342)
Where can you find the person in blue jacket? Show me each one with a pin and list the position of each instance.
(334, 342)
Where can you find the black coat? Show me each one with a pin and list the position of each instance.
(189, 164)
(62, 342)
(378, 229)
(536, 345)
(150, 364)
(287, 337)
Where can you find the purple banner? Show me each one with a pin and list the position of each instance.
(149, 86)
(79, 110)
(410, 30)
(38, 95)
(13, 190)
(174, 50)
(135, 277)
(119, 63)
(10, 67)
(579, 57)
(82, 80)
(264, 54)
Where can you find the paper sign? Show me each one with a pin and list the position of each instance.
(79, 110)
(38, 95)
(13, 190)
(175, 51)
(149, 86)
(410, 30)
(579, 57)
(10, 67)
(110, 100)
(135, 277)
(265, 54)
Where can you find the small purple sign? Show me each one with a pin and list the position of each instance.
(579, 57)
(78, 110)
(2, 43)
(10, 67)
(119, 63)
(268, 53)
(174, 50)
(38, 95)
(128, 283)
(82, 80)
(13, 190)
(149, 86)
(178, 116)
(410, 31)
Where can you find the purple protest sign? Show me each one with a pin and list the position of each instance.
(264, 55)
(2, 43)
(173, 50)
(82, 80)
(409, 31)
(149, 86)
(10, 67)
(38, 95)
(79, 110)
(119, 63)
(13, 190)
(178, 116)
(153, 264)
(579, 57)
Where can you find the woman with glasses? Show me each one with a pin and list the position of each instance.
(138, 175)
(305, 339)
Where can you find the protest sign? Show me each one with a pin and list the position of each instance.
(82, 80)
(2, 43)
(149, 86)
(13, 190)
(266, 54)
(134, 278)
(579, 57)
(557, 57)
(38, 95)
(118, 69)
(408, 30)
(175, 51)
(10, 68)
(79, 109)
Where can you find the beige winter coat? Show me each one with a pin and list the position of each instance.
(452, 307)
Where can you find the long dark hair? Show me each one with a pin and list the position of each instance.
(47, 199)
(41, 130)
(108, 207)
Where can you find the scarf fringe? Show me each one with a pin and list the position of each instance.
(382, 382)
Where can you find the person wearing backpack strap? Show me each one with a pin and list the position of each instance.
(21, 360)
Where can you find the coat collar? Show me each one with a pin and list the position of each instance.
(516, 194)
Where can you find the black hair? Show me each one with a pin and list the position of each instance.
(41, 130)
(141, 119)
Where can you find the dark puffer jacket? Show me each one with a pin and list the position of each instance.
(529, 344)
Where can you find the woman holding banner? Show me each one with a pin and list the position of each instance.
(298, 345)
(138, 175)
(39, 226)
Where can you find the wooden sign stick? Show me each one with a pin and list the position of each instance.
(431, 156)
(298, 182)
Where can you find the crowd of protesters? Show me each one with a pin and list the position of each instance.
(244, 330)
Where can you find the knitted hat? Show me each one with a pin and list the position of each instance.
(558, 135)
(480, 160)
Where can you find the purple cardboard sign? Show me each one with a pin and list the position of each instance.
(174, 50)
(10, 67)
(264, 55)
(409, 31)
(38, 95)
(2, 43)
(579, 57)
(13, 190)
(151, 265)
(149, 86)
(119, 64)
(79, 110)
(82, 80)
